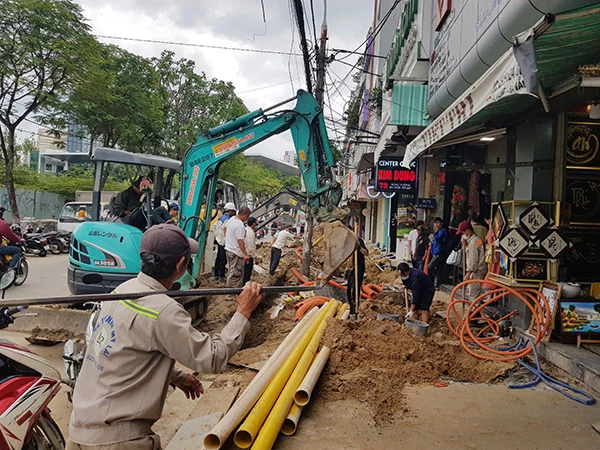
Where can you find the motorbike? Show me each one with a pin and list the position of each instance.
(74, 352)
(56, 243)
(34, 243)
(27, 385)
(22, 269)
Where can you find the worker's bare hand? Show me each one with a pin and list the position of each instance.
(249, 299)
(192, 387)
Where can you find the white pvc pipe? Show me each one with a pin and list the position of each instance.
(222, 430)
(345, 315)
(304, 391)
(290, 424)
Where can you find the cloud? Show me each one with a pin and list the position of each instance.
(233, 23)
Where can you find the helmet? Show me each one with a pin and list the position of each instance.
(229, 206)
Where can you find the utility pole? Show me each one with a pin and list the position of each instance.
(319, 96)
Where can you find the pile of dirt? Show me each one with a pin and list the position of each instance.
(372, 360)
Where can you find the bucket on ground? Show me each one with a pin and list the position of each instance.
(417, 326)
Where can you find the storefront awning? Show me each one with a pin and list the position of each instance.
(409, 105)
(366, 162)
(501, 93)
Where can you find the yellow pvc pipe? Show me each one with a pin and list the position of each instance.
(269, 431)
(319, 239)
(343, 307)
(247, 432)
(244, 404)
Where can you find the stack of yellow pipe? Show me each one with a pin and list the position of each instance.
(276, 403)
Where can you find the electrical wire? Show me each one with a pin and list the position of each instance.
(187, 44)
(298, 10)
(266, 87)
(376, 30)
(264, 16)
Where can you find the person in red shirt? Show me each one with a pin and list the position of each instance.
(8, 234)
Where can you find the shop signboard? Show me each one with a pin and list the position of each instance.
(390, 176)
(427, 203)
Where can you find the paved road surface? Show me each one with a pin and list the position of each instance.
(47, 278)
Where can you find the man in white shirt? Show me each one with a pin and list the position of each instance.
(250, 242)
(279, 242)
(235, 248)
(413, 237)
(219, 269)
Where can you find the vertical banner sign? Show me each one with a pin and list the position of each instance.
(390, 176)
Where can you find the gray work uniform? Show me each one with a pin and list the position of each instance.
(130, 360)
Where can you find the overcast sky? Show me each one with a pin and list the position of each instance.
(236, 23)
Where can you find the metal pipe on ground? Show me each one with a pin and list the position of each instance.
(70, 299)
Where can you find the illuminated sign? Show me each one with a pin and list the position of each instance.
(390, 176)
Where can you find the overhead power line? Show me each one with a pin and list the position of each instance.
(188, 44)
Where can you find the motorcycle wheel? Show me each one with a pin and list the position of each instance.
(42, 253)
(56, 246)
(22, 272)
(45, 435)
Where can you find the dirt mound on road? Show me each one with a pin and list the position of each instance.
(372, 360)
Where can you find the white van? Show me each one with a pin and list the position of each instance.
(74, 213)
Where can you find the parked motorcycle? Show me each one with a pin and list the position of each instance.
(74, 352)
(34, 243)
(27, 385)
(55, 243)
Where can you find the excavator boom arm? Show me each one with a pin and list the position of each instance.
(201, 164)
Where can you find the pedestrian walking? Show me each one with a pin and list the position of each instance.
(235, 247)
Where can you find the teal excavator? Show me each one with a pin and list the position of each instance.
(105, 253)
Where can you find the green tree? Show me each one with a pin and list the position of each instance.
(116, 101)
(597, 307)
(292, 183)
(191, 103)
(43, 46)
(22, 149)
(251, 177)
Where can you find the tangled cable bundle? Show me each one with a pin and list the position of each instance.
(476, 342)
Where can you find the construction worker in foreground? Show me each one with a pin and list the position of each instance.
(131, 354)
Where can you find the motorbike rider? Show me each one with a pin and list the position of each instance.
(130, 360)
(14, 251)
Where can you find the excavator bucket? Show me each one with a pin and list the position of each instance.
(339, 243)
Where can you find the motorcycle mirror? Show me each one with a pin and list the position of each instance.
(7, 279)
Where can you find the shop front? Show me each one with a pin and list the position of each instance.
(522, 145)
